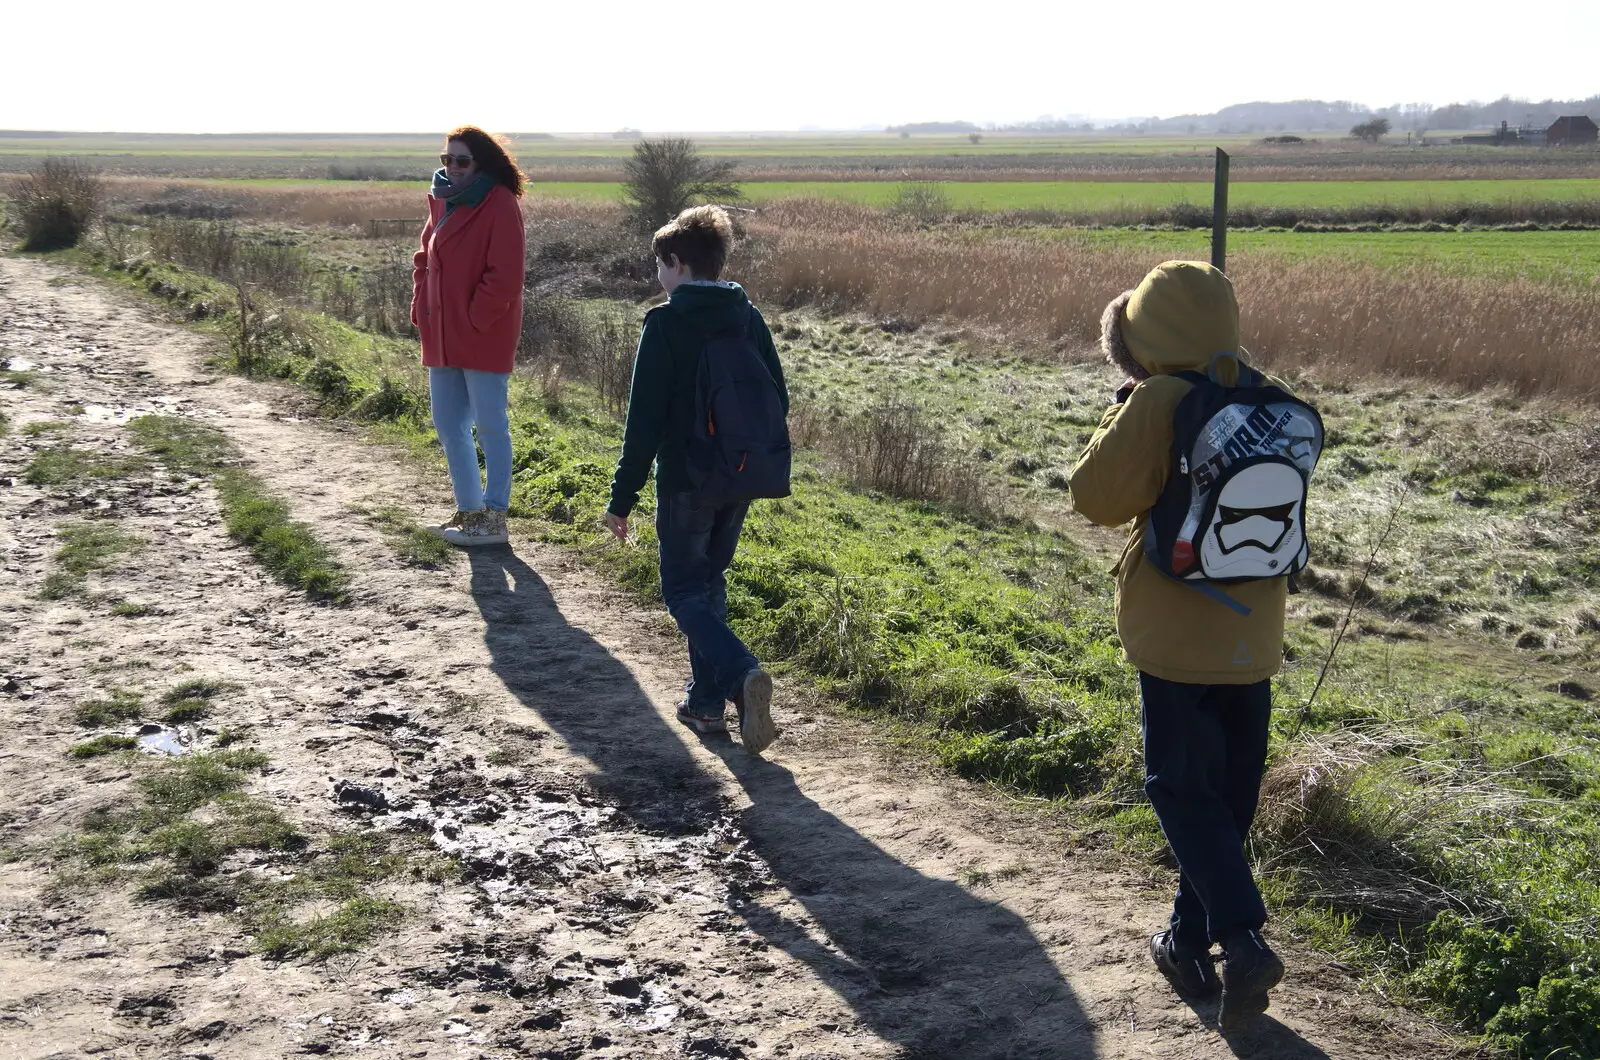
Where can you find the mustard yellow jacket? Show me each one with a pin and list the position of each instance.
(1168, 629)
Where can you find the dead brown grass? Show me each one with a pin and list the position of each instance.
(1020, 290)
(342, 205)
(1337, 318)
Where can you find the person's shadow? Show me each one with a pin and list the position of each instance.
(924, 964)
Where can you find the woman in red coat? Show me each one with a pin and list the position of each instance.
(467, 303)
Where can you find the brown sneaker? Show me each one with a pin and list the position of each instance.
(486, 527)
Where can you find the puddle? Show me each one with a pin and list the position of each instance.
(164, 741)
(107, 414)
(657, 1017)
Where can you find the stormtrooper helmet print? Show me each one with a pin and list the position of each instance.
(1257, 527)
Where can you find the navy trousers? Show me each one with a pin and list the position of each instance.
(1205, 747)
(698, 540)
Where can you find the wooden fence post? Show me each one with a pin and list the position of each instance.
(1219, 214)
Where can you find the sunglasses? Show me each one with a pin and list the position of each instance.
(461, 160)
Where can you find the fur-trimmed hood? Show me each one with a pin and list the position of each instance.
(1113, 345)
(1182, 314)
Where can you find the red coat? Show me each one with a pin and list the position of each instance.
(467, 284)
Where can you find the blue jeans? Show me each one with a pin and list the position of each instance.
(697, 545)
(463, 398)
(1205, 747)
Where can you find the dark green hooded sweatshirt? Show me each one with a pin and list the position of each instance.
(661, 404)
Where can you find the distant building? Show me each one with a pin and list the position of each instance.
(1570, 132)
(1506, 136)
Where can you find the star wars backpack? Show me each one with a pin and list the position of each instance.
(1233, 509)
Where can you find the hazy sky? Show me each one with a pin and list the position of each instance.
(186, 66)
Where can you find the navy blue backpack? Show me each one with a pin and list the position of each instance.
(739, 448)
(1234, 506)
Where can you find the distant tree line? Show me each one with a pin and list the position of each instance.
(935, 127)
(1514, 112)
(1300, 115)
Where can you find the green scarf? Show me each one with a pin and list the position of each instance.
(470, 195)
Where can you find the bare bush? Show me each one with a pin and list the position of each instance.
(53, 206)
(922, 202)
(664, 177)
(895, 448)
(594, 347)
(217, 249)
(386, 296)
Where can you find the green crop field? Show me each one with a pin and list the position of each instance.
(1547, 257)
(1103, 195)
(1070, 195)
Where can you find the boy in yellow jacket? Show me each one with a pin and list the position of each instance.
(1204, 669)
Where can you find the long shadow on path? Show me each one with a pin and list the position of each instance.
(923, 964)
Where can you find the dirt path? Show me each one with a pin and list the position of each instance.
(630, 890)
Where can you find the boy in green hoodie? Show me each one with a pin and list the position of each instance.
(1204, 669)
(697, 537)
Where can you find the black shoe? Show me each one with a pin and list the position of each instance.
(1249, 971)
(1190, 970)
(701, 723)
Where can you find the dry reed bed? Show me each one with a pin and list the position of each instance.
(355, 203)
(1337, 318)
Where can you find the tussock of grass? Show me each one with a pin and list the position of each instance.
(131, 609)
(62, 464)
(355, 922)
(191, 817)
(411, 543)
(38, 427)
(86, 548)
(183, 444)
(286, 548)
(102, 745)
(120, 705)
(158, 825)
(58, 585)
(191, 700)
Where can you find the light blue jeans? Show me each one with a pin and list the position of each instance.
(463, 398)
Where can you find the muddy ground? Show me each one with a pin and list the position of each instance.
(628, 889)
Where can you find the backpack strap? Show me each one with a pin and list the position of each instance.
(1248, 376)
(1205, 589)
